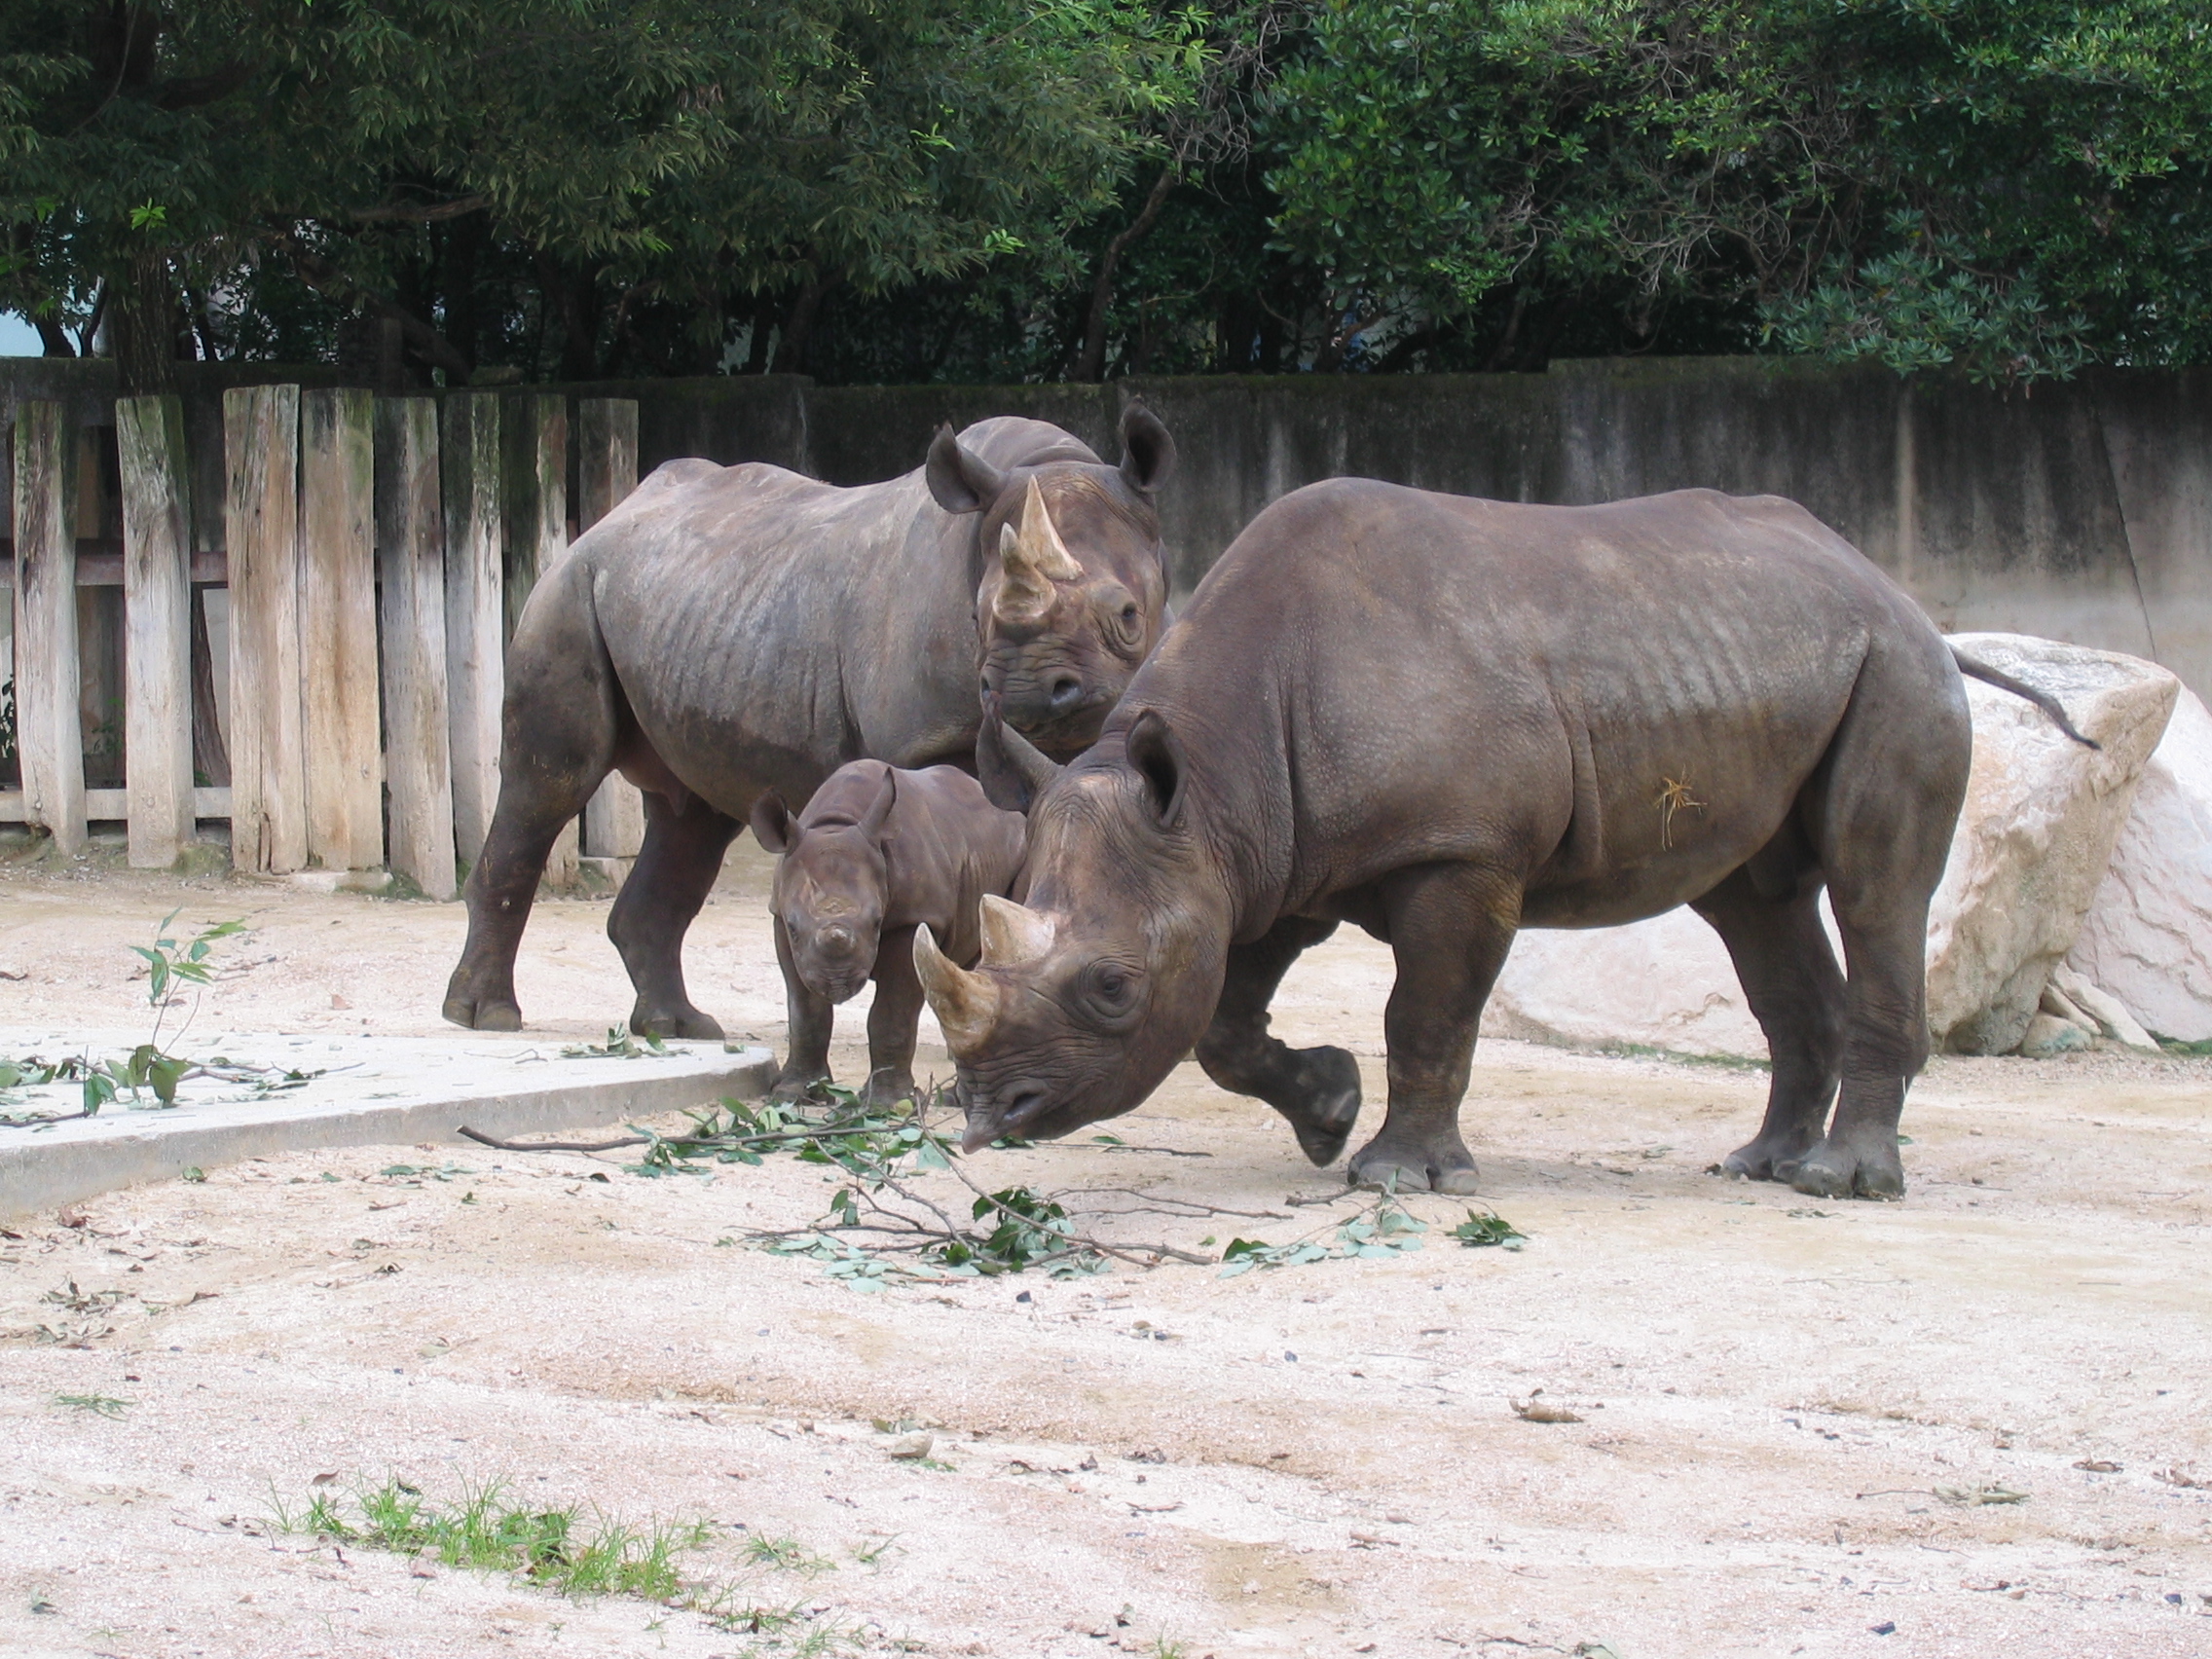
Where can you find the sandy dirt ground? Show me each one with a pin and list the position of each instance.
(1770, 1393)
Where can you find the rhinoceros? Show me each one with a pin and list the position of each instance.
(727, 631)
(1446, 719)
(877, 853)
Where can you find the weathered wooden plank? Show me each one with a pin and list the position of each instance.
(50, 739)
(606, 470)
(411, 561)
(338, 628)
(536, 428)
(157, 610)
(260, 531)
(107, 805)
(475, 620)
(100, 563)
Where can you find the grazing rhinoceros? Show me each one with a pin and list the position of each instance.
(1446, 719)
(877, 853)
(731, 630)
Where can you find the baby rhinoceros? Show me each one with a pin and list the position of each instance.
(876, 853)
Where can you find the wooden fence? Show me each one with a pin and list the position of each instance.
(377, 553)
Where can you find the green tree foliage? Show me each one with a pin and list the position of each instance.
(985, 189)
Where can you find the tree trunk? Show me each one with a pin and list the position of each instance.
(791, 350)
(143, 327)
(210, 755)
(1090, 362)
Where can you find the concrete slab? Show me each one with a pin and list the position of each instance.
(333, 1091)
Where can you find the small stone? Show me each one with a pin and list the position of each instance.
(2047, 1035)
(910, 1446)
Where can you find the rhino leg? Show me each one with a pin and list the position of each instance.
(808, 1019)
(1450, 927)
(1316, 1088)
(1881, 812)
(1796, 993)
(681, 855)
(892, 1019)
(557, 742)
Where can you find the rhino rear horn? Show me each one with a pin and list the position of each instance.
(1013, 933)
(1032, 559)
(1009, 766)
(960, 480)
(965, 1003)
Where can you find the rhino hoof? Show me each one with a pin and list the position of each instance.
(1324, 1121)
(472, 1015)
(687, 1024)
(1382, 1173)
(1833, 1172)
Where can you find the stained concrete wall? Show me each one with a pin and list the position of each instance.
(2081, 511)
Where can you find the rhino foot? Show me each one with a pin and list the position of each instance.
(1328, 1108)
(491, 1013)
(888, 1089)
(795, 1083)
(685, 1023)
(1833, 1170)
(1768, 1158)
(1406, 1167)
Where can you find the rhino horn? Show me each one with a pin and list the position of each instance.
(965, 1004)
(1013, 933)
(1033, 557)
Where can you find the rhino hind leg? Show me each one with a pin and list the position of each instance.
(1448, 930)
(1879, 816)
(1796, 993)
(676, 868)
(1318, 1090)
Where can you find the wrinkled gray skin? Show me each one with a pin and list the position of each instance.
(727, 631)
(876, 854)
(1445, 720)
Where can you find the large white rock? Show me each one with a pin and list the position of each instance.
(2148, 936)
(2037, 831)
(2039, 824)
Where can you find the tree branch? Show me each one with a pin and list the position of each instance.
(423, 213)
(328, 279)
(1091, 364)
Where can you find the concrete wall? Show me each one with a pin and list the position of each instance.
(2082, 511)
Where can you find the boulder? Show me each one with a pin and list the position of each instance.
(2041, 817)
(2036, 833)
(2148, 938)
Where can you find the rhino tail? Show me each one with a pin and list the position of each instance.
(2043, 700)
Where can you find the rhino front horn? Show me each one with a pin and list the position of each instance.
(1031, 559)
(965, 1003)
(1013, 933)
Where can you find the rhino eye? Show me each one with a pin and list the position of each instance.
(1128, 616)
(1110, 991)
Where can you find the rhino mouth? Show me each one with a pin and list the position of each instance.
(835, 988)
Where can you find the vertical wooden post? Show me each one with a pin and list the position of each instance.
(536, 426)
(606, 470)
(475, 651)
(156, 616)
(338, 628)
(411, 561)
(268, 783)
(50, 738)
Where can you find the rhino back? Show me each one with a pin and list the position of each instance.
(1374, 677)
(732, 600)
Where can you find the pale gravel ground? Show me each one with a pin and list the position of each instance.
(1744, 1372)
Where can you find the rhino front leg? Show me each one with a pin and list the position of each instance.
(1316, 1088)
(892, 1019)
(532, 808)
(1449, 933)
(808, 1019)
(1796, 993)
(681, 855)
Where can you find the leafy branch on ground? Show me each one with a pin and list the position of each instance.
(620, 1045)
(1382, 1227)
(151, 1066)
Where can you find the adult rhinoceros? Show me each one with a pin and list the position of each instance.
(1445, 720)
(727, 631)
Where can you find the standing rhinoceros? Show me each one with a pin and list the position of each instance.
(1446, 719)
(727, 631)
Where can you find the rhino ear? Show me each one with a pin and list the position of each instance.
(1148, 452)
(879, 809)
(1012, 773)
(1157, 754)
(960, 480)
(772, 826)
